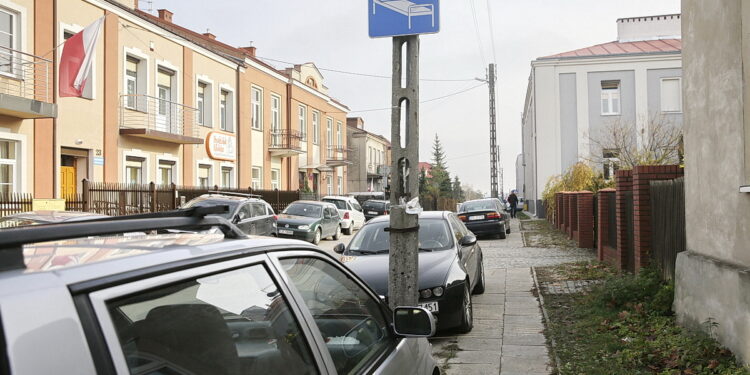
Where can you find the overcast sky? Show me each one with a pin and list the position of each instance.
(333, 34)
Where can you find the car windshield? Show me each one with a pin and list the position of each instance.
(434, 234)
(341, 205)
(477, 206)
(214, 202)
(374, 206)
(302, 209)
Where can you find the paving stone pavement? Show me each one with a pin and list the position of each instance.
(507, 337)
(569, 286)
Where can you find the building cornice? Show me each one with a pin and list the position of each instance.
(608, 59)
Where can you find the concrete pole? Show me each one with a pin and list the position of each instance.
(404, 251)
(494, 149)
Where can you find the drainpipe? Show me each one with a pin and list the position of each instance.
(289, 130)
(238, 118)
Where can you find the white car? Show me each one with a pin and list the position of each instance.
(352, 217)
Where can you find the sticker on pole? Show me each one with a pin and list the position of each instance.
(403, 17)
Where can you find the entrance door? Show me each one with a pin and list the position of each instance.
(67, 181)
(315, 183)
(164, 91)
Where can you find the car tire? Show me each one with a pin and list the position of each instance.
(501, 235)
(348, 231)
(479, 288)
(318, 236)
(336, 236)
(467, 311)
(507, 231)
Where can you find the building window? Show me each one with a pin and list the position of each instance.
(201, 103)
(166, 172)
(131, 81)
(227, 176)
(275, 114)
(223, 109)
(257, 178)
(329, 136)
(303, 181)
(8, 36)
(165, 120)
(610, 97)
(329, 185)
(339, 139)
(611, 162)
(275, 179)
(671, 95)
(8, 166)
(204, 175)
(341, 185)
(316, 127)
(257, 105)
(134, 167)
(302, 114)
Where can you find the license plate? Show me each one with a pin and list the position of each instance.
(430, 306)
(372, 213)
(285, 231)
(478, 217)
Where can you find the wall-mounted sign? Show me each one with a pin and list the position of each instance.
(98, 160)
(48, 205)
(221, 146)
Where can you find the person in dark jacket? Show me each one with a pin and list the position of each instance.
(513, 200)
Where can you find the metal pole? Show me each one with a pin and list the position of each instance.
(403, 260)
(494, 150)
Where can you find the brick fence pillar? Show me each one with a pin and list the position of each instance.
(624, 184)
(585, 208)
(604, 252)
(563, 211)
(558, 210)
(572, 214)
(642, 176)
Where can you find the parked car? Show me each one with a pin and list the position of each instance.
(485, 217)
(450, 265)
(252, 215)
(373, 208)
(364, 196)
(193, 303)
(45, 217)
(350, 211)
(310, 221)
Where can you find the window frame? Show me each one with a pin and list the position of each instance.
(275, 114)
(145, 172)
(14, 163)
(316, 127)
(229, 125)
(340, 187)
(230, 169)
(256, 108)
(276, 183)
(679, 94)
(610, 94)
(201, 165)
(329, 136)
(302, 121)
(259, 180)
(173, 166)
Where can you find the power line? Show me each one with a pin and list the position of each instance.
(422, 101)
(364, 74)
(476, 29)
(492, 32)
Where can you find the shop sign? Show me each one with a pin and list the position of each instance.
(221, 146)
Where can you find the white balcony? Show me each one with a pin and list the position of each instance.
(26, 88)
(149, 117)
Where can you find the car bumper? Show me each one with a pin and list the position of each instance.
(486, 227)
(450, 307)
(297, 235)
(346, 224)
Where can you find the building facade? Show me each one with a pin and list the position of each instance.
(573, 98)
(371, 158)
(163, 104)
(519, 175)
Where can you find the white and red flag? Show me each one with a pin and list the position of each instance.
(77, 59)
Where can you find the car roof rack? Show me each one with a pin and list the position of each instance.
(13, 240)
(233, 194)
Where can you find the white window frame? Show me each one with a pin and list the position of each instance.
(89, 91)
(208, 96)
(329, 136)
(142, 79)
(609, 94)
(329, 184)
(257, 183)
(145, 165)
(230, 122)
(302, 117)
(204, 163)
(19, 14)
(340, 187)
(276, 182)
(679, 94)
(19, 167)
(275, 113)
(316, 127)
(339, 138)
(175, 168)
(256, 108)
(227, 166)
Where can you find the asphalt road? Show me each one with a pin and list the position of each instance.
(328, 245)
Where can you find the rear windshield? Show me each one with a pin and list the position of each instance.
(434, 234)
(478, 206)
(214, 202)
(379, 206)
(341, 205)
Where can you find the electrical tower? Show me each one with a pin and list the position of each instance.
(494, 149)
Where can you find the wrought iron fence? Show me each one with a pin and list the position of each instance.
(667, 224)
(25, 75)
(285, 139)
(153, 113)
(14, 203)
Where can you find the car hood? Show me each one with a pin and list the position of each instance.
(294, 219)
(373, 269)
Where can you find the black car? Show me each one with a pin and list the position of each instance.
(248, 212)
(450, 265)
(485, 217)
(310, 221)
(374, 207)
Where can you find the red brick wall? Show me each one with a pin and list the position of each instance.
(585, 230)
(572, 223)
(624, 183)
(604, 252)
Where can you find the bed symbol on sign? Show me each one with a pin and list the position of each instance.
(403, 17)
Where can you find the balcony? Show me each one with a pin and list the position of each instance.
(25, 85)
(337, 156)
(284, 143)
(149, 117)
(377, 170)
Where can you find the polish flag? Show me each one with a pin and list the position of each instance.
(77, 59)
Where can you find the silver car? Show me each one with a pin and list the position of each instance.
(75, 300)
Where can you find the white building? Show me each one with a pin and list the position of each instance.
(573, 95)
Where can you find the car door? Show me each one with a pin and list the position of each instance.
(467, 253)
(357, 213)
(351, 320)
(260, 219)
(327, 222)
(243, 219)
(231, 317)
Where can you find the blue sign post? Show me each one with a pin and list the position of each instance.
(389, 18)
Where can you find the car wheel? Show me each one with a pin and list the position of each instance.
(479, 288)
(507, 231)
(348, 231)
(467, 315)
(318, 235)
(336, 236)
(501, 235)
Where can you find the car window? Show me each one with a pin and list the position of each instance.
(351, 321)
(270, 211)
(244, 212)
(341, 205)
(356, 206)
(433, 235)
(478, 206)
(235, 322)
(375, 206)
(458, 230)
(304, 209)
(258, 209)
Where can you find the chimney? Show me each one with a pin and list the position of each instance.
(165, 15)
(210, 36)
(135, 4)
(249, 50)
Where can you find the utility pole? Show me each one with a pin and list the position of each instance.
(494, 149)
(403, 261)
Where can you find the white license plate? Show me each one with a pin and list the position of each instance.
(430, 306)
(372, 213)
(285, 231)
(478, 217)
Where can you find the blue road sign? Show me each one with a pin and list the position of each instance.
(403, 17)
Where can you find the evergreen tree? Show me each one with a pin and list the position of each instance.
(458, 192)
(440, 180)
(422, 182)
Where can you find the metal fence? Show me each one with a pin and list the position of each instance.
(278, 199)
(25, 75)
(667, 224)
(153, 113)
(14, 203)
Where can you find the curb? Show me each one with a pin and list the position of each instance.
(547, 322)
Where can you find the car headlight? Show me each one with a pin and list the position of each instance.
(425, 293)
(303, 227)
(437, 291)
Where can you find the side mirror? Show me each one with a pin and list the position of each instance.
(468, 240)
(413, 322)
(339, 249)
(236, 219)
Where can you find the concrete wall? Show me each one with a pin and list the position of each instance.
(598, 123)
(713, 275)
(654, 96)
(568, 121)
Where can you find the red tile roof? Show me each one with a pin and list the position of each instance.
(623, 48)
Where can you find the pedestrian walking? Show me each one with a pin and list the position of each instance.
(513, 200)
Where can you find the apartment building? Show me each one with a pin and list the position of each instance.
(574, 97)
(163, 104)
(371, 158)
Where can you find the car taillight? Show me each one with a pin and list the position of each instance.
(493, 215)
(462, 217)
(276, 217)
(346, 216)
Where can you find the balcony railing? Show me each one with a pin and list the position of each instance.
(151, 117)
(338, 156)
(284, 142)
(27, 81)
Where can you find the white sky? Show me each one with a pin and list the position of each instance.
(333, 34)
